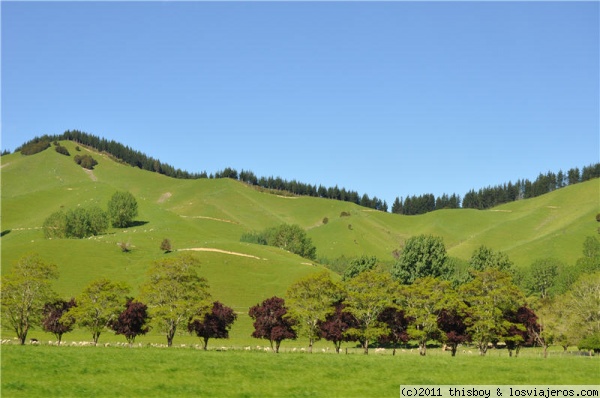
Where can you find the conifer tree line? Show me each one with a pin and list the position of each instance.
(484, 198)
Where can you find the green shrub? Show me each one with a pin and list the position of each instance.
(34, 147)
(78, 223)
(62, 150)
(122, 208)
(85, 161)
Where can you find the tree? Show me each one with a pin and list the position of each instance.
(541, 276)
(214, 324)
(524, 331)
(489, 296)
(424, 301)
(368, 294)
(484, 258)
(53, 313)
(133, 321)
(397, 324)
(85, 161)
(358, 265)
(122, 208)
(98, 306)
(55, 226)
(25, 291)
(310, 300)
(291, 238)
(452, 324)
(336, 325)
(271, 322)
(423, 255)
(166, 245)
(583, 302)
(174, 292)
(83, 223)
(590, 262)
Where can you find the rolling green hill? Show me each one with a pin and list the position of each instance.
(213, 214)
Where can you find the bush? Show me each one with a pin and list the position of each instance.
(325, 220)
(166, 245)
(344, 214)
(122, 208)
(85, 161)
(62, 150)
(287, 237)
(55, 226)
(34, 147)
(78, 223)
(257, 238)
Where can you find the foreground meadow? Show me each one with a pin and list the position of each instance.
(49, 371)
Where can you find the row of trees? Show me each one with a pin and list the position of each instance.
(85, 222)
(482, 199)
(369, 305)
(175, 294)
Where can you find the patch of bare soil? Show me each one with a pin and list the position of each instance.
(90, 174)
(164, 197)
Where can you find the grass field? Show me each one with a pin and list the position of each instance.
(46, 371)
(213, 214)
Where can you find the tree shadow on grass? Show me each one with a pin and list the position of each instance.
(138, 223)
(5, 232)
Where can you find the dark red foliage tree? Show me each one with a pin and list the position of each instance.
(215, 324)
(454, 328)
(52, 318)
(271, 323)
(133, 321)
(335, 326)
(524, 331)
(397, 324)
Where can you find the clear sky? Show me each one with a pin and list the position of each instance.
(387, 98)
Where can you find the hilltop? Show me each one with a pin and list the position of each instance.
(210, 215)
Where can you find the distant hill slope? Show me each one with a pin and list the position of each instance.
(213, 214)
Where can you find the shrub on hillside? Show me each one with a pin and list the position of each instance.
(166, 246)
(122, 208)
(85, 161)
(34, 147)
(62, 150)
(285, 236)
(78, 223)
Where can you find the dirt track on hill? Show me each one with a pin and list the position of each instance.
(209, 249)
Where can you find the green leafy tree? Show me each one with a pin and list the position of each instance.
(293, 239)
(55, 226)
(122, 209)
(358, 265)
(590, 262)
(490, 296)
(583, 304)
(175, 293)
(484, 258)
(424, 301)
(423, 255)
(541, 276)
(98, 306)
(367, 296)
(25, 291)
(166, 246)
(310, 300)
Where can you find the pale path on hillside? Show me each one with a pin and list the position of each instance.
(90, 173)
(212, 218)
(209, 249)
(163, 198)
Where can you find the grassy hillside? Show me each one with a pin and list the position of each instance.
(213, 214)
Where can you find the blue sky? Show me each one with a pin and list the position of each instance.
(388, 98)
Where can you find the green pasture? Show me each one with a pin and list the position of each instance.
(213, 214)
(47, 371)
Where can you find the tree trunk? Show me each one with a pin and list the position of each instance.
(205, 344)
(310, 345)
(95, 337)
(337, 347)
(454, 348)
(366, 347)
(422, 348)
(545, 350)
(277, 343)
